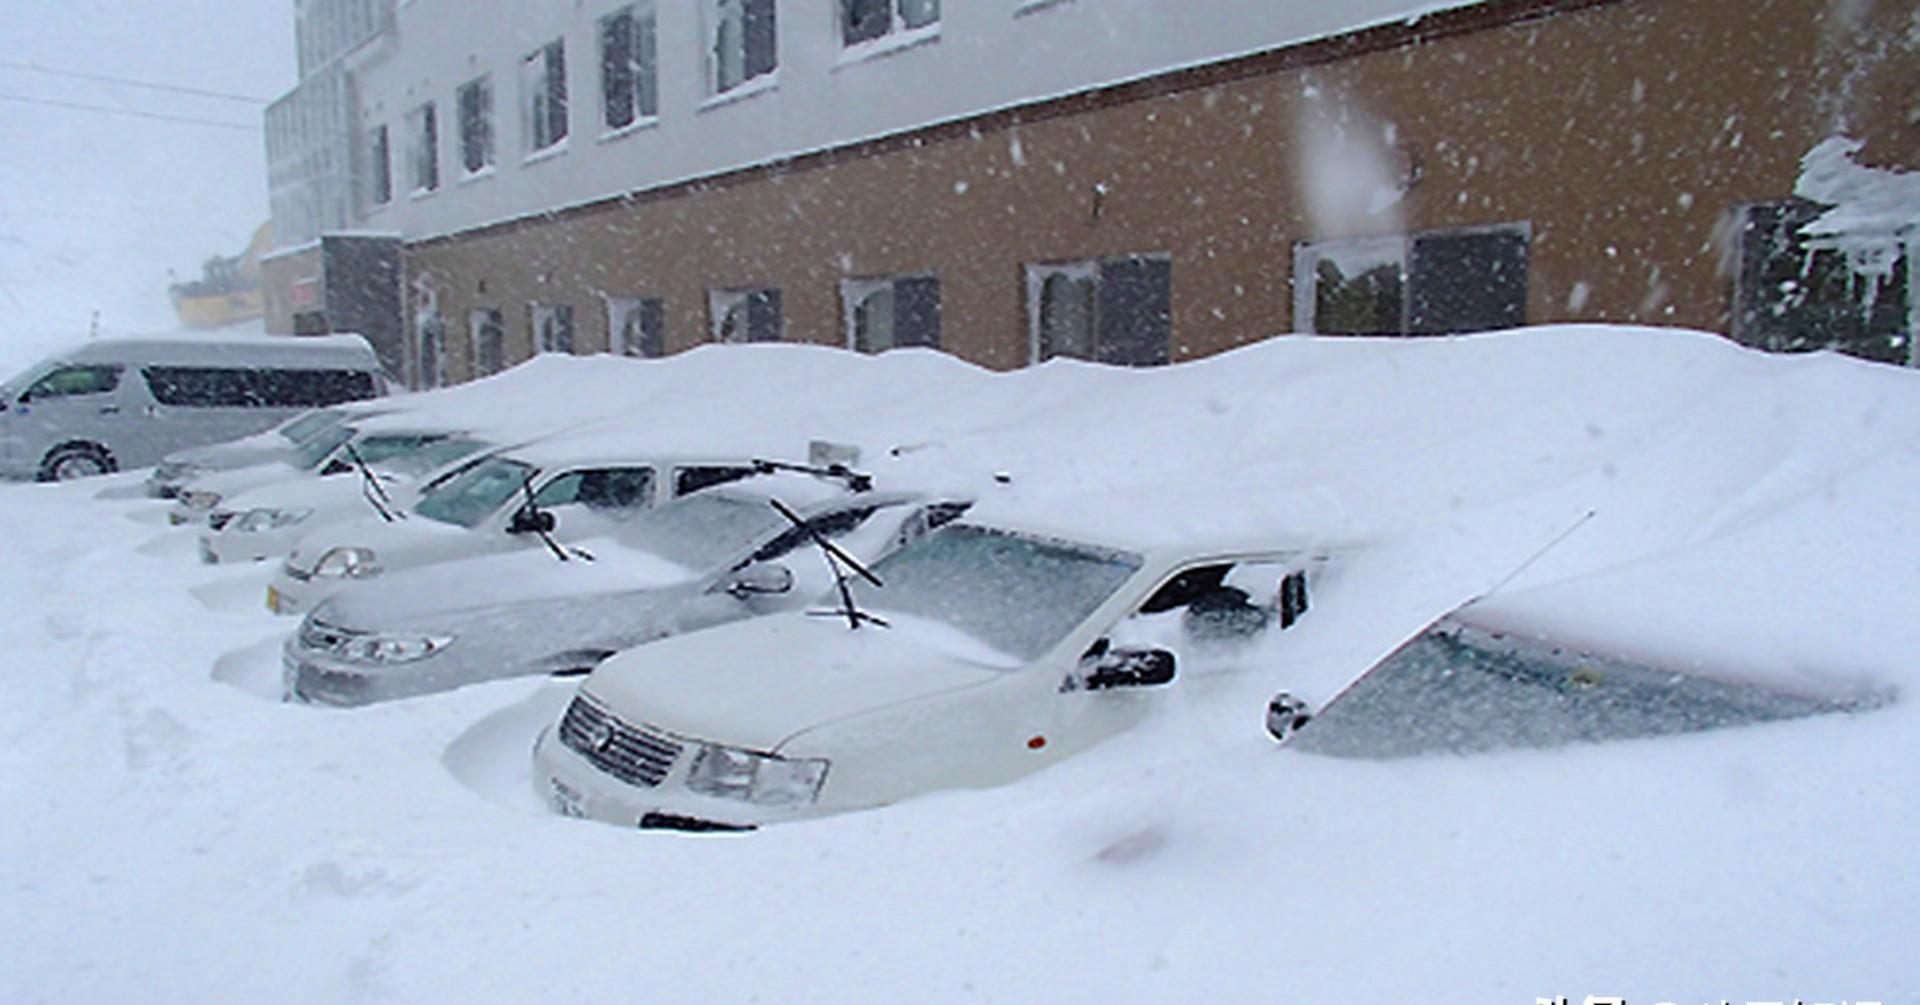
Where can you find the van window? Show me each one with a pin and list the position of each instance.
(220, 387)
(71, 380)
(693, 479)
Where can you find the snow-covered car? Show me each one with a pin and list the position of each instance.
(987, 653)
(330, 453)
(277, 445)
(717, 556)
(265, 522)
(538, 495)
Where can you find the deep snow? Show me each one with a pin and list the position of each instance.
(178, 837)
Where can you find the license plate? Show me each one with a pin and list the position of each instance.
(564, 800)
(273, 600)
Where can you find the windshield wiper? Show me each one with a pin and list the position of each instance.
(858, 481)
(370, 487)
(838, 562)
(541, 522)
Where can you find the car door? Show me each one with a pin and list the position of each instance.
(1197, 630)
(72, 403)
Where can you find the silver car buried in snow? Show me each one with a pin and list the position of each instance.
(716, 556)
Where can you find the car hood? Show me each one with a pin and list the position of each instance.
(334, 493)
(758, 683)
(233, 481)
(369, 531)
(433, 594)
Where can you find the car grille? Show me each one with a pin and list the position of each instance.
(634, 754)
(328, 687)
(322, 637)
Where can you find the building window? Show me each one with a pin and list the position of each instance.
(553, 328)
(636, 326)
(744, 315)
(629, 85)
(379, 167)
(475, 101)
(1794, 296)
(489, 333)
(424, 131)
(880, 314)
(543, 79)
(1438, 283)
(744, 43)
(866, 20)
(1114, 310)
(432, 350)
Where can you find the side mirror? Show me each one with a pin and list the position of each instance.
(760, 578)
(1285, 715)
(335, 467)
(531, 521)
(1130, 668)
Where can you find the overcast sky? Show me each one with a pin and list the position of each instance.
(96, 207)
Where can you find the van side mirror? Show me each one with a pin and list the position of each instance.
(1285, 715)
(527, 520)
(1130, 668)
(760, 578)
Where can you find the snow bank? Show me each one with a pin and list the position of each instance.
(177, 838)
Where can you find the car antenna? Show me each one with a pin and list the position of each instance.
(546, 536)
(370, 487)
(839, 562)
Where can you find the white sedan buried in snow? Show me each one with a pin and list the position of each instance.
(265, 522)
(279, 445)
(987, 653)
(324, 456)
(717, 556)
(542, 495)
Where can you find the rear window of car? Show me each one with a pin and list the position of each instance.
(223, 387)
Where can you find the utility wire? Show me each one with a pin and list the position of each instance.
(128, 111)
(174, 88)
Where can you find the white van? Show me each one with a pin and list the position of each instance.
(125, 403)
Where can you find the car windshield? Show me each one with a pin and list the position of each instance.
(701, 531)
(309, 426)
(417, 455)
(465, 499)
(1459, 688)
(309, 454)
(1018, 594)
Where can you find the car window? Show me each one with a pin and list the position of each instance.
(308, 426)
(693, 478)
(465, 499)
(702, 530)
(70, 381)
(1018, 594)
(830, 525)
(623, 488)
(1461, 688)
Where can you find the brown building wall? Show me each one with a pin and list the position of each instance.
(1623, 134)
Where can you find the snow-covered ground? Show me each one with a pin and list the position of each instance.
(173, 834)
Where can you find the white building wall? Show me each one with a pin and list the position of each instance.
(987, 54)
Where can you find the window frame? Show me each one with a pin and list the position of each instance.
(482, 321)
(379, 165)
(722, 302)
(562, 316)
(1097, 272)
(642, 83)
(423, 148)
(475, 128)
(1308, 254)
(652, 310)
(752, 80)
(545, 106)
(899, 33)
(856, 291)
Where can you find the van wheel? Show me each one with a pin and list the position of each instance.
(76, 460)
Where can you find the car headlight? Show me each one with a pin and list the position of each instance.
(348, 563)
(383, 648)
(197, 499)
(731, 773)
(258, 520)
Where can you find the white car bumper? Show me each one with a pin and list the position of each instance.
(577, 784)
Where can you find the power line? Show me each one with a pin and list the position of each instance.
(127, 111)
(174, 88)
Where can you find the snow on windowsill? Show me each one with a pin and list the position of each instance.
(469, 177)
(887, 45)
(548, 152)
(421, 193)
(640, 124)
(747, 89)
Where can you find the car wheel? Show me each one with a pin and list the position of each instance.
(78, 460)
